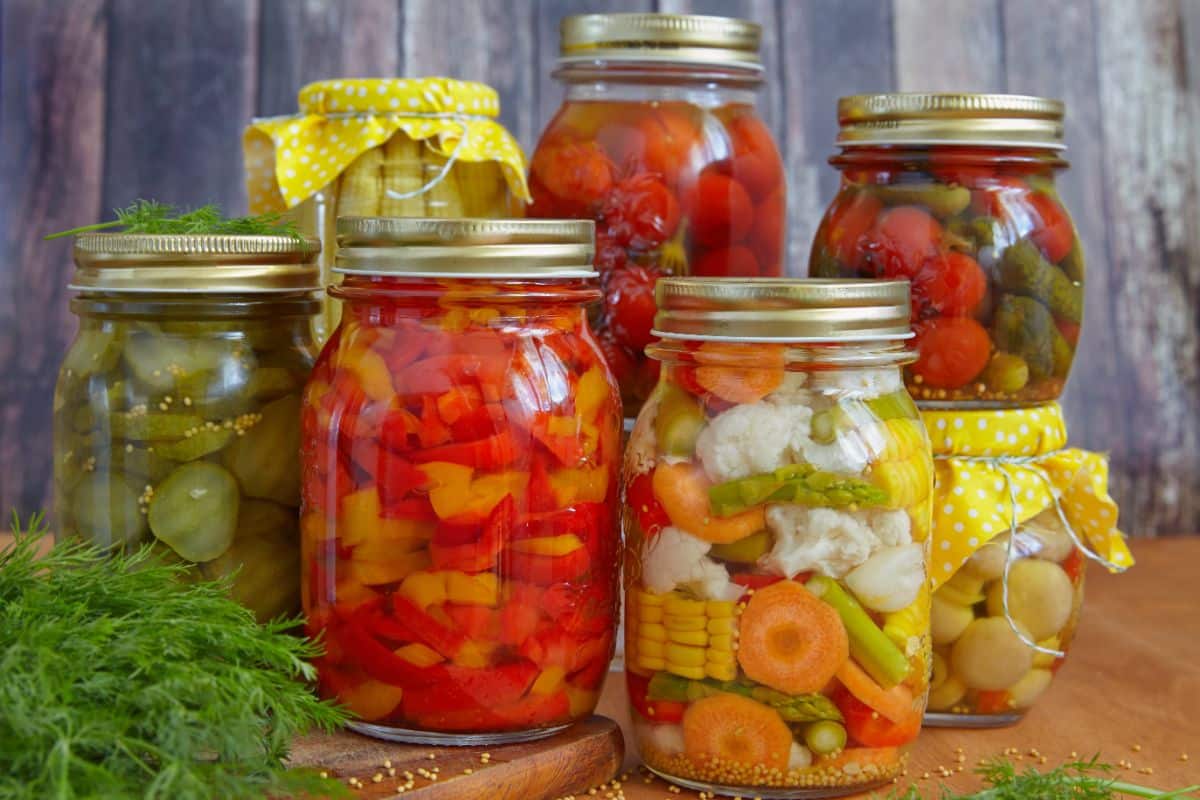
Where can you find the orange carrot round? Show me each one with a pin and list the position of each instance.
(737, 373)
(682, 489)
(736, 729)
(790, 640)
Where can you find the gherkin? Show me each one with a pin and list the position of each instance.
(1025, 327)
(1024, 271)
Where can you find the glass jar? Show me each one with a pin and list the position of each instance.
(386, 147)
(178, 404)
(659, 141)
(957, 194)
(776, 509)
(461, 446)
(990, 665)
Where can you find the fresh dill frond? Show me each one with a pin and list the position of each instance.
(118, 679)
(153, 217)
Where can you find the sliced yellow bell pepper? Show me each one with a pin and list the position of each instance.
(580, 485)
(478, 590)
(549, 681)
(454, 494)
(549, 545)
(361, 520)
(591, 393)
(420, 655)
(562, 426)
(425, 588)
(370, 370)
(371, 699)
(474, 655)
(393, 570)
(314, 529)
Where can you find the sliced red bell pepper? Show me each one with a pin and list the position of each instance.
(431, 431)
(480, 554)
(568, 449)
(407, 346)
(552, 646)
(518, 621)
(414, 508)
(993, 701)
(379, 662)
(427, 630)
(580, 519)
(439, 374)
(458, 402)
(479, 423)
(494, 452)
(477, 622)
(527, 712)
(651, 710)
(455, 688)
(396, 428)
(648, 512)
(754, 580)
(591, 674)
(1074, 565)
(870, 728)
(545, 570)
(541, 496)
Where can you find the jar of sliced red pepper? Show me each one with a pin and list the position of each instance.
(956, 192)
(461, 436)
(658, 140)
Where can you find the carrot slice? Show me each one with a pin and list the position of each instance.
(895, 703)
(682, 489)
(724, 371)
(735, 728)
(791, 640)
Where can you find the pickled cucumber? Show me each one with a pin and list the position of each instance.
(266, 458)
(149, 426)
(106, 511)
(195, 510)
(941, 200)
(94, 351)
(198, 445)
(979, 231)
(1024, 271)
(1024, 326)
(159, 362)
(264, 559)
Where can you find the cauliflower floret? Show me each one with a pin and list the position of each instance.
(847, 454)
(857, 382)
(799, 757)
(751, 439)
(893, 527)
(639, 450)
(666, 738)
(791, 389)
(675, 557)
(821, 539)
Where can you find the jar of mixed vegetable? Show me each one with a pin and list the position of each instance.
(777, 515)
(461, 445)
(177, 410)
(659, 142)
(957, 194)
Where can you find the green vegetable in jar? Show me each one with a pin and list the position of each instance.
(792, 708)
(1023, 326)
(201, 443)
(940, 199)
(94, 351)
(1024, 271)
(266, 457)
(825, 737)
(1006, 372)
(794, 483)
(160, 362)
(977, 231)
(265, 559)
(1072, 264)
(678, 422)
(195, 510)
(107, 511)
(147, 426)
(745, 551)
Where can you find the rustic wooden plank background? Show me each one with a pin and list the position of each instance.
(103, 101)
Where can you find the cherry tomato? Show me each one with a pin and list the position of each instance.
(1053, 234)
(641, 212)
(964, 165)
(1069, 330)
(767, 234)
(620, 361)
(577, 172)
(670, 139)
(721, 211)
(649, 513)
(629, 305)
(610, 254)
(900, 241)
(651, 710)
(848, 224)
(952, 284)
(953, 351)
(756, 163)
(727, 262)
(868, 727)
(992, 196)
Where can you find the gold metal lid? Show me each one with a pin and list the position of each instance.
(942, 118)
(517, 249)
(195, 263)
(782, 309)
(676, 38)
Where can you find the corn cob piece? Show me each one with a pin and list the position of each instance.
(905, 439)
(444, 198)
(906, 482)
(403, 173)
(689, 638)
(361, 186)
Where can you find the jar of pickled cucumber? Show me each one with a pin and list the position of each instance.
(956, 193)
(461, 446)
(177, 409)
(776, 507)
(659, 141)
(388, 147)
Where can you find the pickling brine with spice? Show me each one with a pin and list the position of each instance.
(776, 507)
(461, 444)
(658, 140)
(177, 409)
(957, 194)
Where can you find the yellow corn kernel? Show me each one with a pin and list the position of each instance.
(425, 588)
(652, 631)
(720, 672)
(420, 655)
(719, 609)
(722, 642)
(911, 621)
(719, 626)
(649, 647)
(694, 673)
(718, 657)
(549, 681)
(646, 599)
(652, 663)
(682, 607)
(559, 545)
(684, 654)
(697, 638)
(683, 623)
(652, 614)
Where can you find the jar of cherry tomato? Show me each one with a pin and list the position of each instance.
(459, 472)
(956, 192)
(658, 140)
(778, 488)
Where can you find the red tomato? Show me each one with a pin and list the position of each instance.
(952, 284)
(629, 305)
(728, 262)
(610, 254)
(1053, 234)
(756, 162)
(670, 137)
(722, 212)
(641, 212)
(871, 729)
(651, 710)
(953, 351)
(1069, 330)
(649, 513)
(993, 702)
(964, 165)
(900, 241)
(767, 236)
(848, 224)
(620, 361)
(991, 196)
(575, 172)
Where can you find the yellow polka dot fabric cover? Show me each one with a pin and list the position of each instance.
(974, 451)
(288, 159)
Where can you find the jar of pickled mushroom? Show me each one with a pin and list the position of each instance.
(177, 410)
(776, 510)
(390, 147)
(1017, 516)
(659, 142)
(461, 446)
(956, 193)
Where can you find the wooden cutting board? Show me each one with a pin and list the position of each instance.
(585, 755)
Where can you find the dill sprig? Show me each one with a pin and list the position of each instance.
(151, 216)
(1078, 780)
(119, 680)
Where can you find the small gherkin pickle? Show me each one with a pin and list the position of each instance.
(941, 200)
(1023, 270)
(199, 444)
(266, 457)
(1006, 372)
(94, 351)
(1024, 326)
(979, 231)
(195, 510)
(265, 557)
